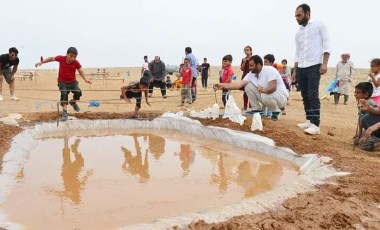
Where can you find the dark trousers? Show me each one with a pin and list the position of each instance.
(137, 96)
(160, 84)
(369, 120)
(66, 88)
(204, 81)
(225, 93)
(194, 88)
(308, 81)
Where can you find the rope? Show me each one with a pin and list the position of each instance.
(200, 96)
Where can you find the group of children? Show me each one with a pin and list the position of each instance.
(367, 94)
(67, 81)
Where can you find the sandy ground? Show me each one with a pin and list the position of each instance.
(349, 202)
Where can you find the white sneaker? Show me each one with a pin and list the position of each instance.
(313, 130)
(14, 98)
(1, 97)
(304, 125)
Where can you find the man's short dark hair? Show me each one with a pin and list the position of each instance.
(228, 57)
(204, 59)
(188, 50)
(365, 87)
(284, 60)
(270, 58)
(305, 7)
(145, 56)
(144, 81)
(72, 50)
(256, 59)
(13, 50)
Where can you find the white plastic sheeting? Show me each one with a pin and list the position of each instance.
(11, 119)
(314, 169)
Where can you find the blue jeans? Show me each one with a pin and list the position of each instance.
(308, 81)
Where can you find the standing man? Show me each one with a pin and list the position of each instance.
(193, 66)
(312, 55)
(205, 72)
(344, 70)
(145, 66)
(6, 62)
(157, 76)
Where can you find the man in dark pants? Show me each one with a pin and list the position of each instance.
(157, 76)
(312, 55)
(8, 72)
(205, 72)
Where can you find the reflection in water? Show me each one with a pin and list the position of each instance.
(220, 178)
(71, 170)
(142, 177)
(246, 178)
(186, 155)
(156, 146)
(135, 164)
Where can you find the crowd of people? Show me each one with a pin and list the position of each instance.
(266, 84)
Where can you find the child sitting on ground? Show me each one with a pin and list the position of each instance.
(169, 83)
(363, 91)
(134, 90)
(177, 84)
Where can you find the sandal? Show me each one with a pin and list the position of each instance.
(370, 144)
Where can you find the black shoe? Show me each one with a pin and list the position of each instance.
(275, 116)
(250, 113)
(74, 105)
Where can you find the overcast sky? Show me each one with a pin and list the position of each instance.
(118, 33)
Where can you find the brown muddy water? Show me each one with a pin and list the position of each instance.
(108, 181)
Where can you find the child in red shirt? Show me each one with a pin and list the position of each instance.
(66, 78)
(227, 76)
(186, 74)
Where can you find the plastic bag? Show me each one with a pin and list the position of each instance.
(233, 112)
(257, 123)
(93, 104)
(210, 112)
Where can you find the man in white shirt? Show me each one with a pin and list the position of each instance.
(312, 55)
(263, 86)
(145, 66)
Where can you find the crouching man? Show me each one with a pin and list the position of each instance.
(263, 86)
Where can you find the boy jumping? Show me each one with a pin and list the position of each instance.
(66, 78)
